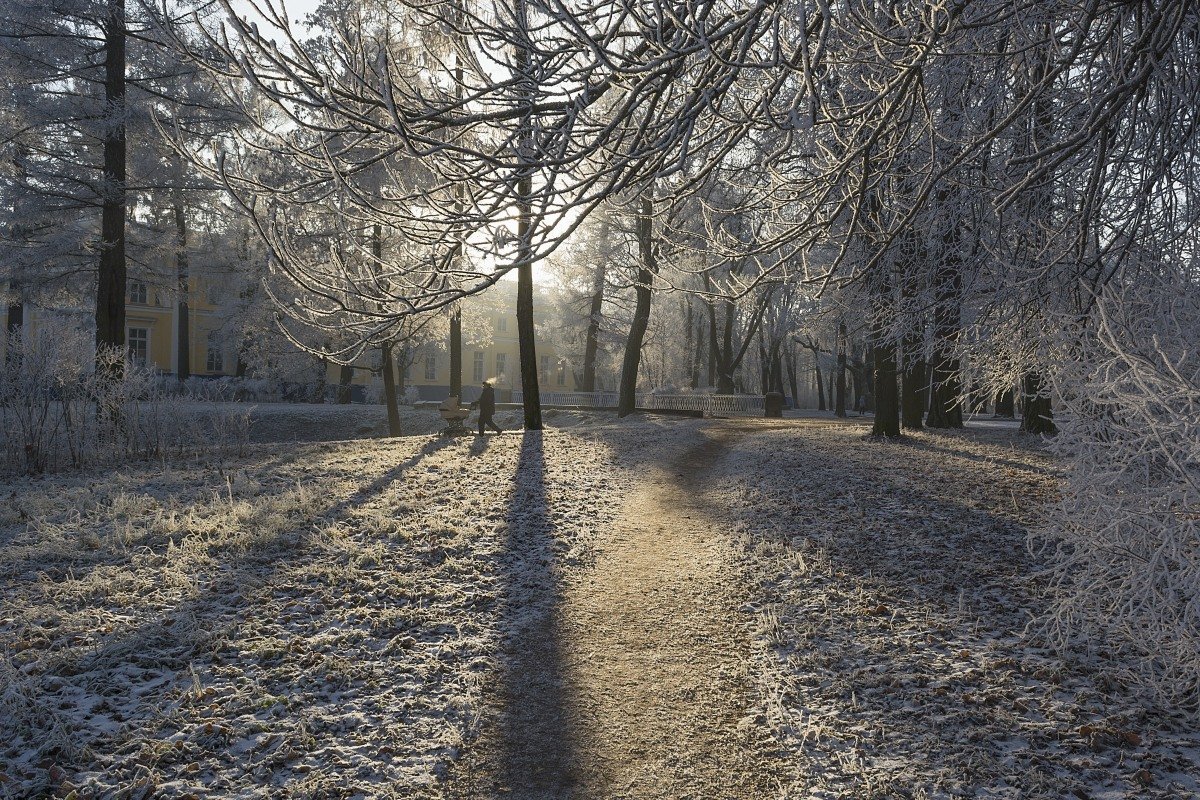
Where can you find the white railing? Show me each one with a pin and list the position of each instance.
(580, 399)
(706, 403)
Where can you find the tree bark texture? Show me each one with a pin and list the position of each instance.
(456, 353)
(391, 398)
(525, 324)
(839, 407)
(110, 284)
(183, 335)
(945, 399)
(1037, 416)
(1006, 404)
(591, 345)
(792, 382)
(820, 383)
(345, 379)
(647, 268)
(887, 395)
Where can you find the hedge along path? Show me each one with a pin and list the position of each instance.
(629, 677)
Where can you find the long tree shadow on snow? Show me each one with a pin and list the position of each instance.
(175, 637)
(530, 746)
(925, 585)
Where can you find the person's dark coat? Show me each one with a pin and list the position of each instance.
(487, 403)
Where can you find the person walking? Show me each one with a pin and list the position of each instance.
(487, 408)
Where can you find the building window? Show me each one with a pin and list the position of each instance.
(138, 292)
(215, 359)
(544, 372)
(501, 324)
(562, 373)
(138, 342)
(430, 368)
(478, 366)
(501, 364)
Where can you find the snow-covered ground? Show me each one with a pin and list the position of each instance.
(323, 619)
(314, 422)
(893, 589)
(315, 617)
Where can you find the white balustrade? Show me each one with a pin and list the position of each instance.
(707, 403)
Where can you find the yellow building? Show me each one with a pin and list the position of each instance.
(152, 337)
(152, 328)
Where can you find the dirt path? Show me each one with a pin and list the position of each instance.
(629, 678)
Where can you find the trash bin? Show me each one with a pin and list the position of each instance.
(773, 404)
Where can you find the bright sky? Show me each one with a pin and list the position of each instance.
(297, 10)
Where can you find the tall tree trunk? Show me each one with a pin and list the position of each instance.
(1006, 405)
(820, 384)
(183, 334)
(110, 284)
(456, 353)
(401, 369)
(914, 386)
(322, 379)
(945, 395)
(16, 306)
(591, 344)
(525, 324)
(913, 382)
(647, 269)
(390, 397)
(688, 332)
(855, 387)
(713, 353)
(345, 379)
(697, 355)
(776, 367)
(725, 383)
(887, 395)
(791, 369)
(764, 367)
(829, 384)
(839, 407)
(1037, 416)
(945, 398)
(387, 365)
(887, 405)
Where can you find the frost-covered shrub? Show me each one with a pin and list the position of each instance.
(373, 394)
(255, 390)
(1126, 535)
(231, 388)
(58, 411)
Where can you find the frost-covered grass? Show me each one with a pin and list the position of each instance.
(326, 619)
(312, 619)
(304, 422)
(894, 585)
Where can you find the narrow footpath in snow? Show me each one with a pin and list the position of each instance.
(627, 678)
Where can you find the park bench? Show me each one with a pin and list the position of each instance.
(455, 415)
